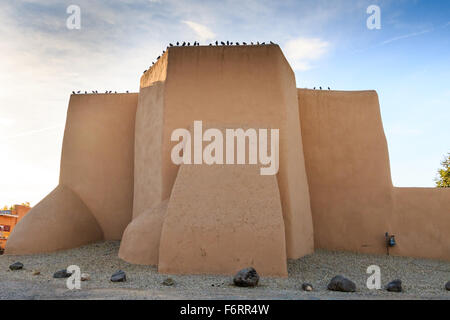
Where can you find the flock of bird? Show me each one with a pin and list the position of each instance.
(320, 88)
(195, 44)
(217, 43)
(95, 92)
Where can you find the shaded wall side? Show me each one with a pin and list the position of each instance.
(348, 170)
(98, 157)
(157, 73)
(141, 239)
(148, 148)
(421, 222)
(292, 178)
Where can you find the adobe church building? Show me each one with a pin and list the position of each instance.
(333, 189)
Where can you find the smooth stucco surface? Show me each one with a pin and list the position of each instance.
(141, 239)
(94, 198)
(60, 221)
(223, 218)
(98, 157)
(251, 86)
(352, 198)
(148, 176)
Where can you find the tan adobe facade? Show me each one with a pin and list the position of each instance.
(333, 189)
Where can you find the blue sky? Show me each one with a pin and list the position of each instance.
(326, 42)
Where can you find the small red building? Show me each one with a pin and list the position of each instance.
(8, 220)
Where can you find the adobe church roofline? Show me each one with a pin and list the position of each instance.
(159, 70)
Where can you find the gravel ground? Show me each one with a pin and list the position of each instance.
(422, 279)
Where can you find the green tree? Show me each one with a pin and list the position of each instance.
(443, 179)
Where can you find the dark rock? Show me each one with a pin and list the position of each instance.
(447, 286)
(340, 283)
(168, 282)
(247, 277)
(394, 286)
(61, 274)
(119, 276)
(307, 286)
(16, 266)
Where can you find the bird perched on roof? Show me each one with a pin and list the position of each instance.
(144, 71)
(257, 42)
(153, 62)
(237, 43)
(178, 43)
(158, 57)
(128, 91)
(251, 43)
(320, 88)
(231, 43)
(228, 43)
(329, 88)
(217, 43)
(184, 43)
(222, 43)
(314, 88)
(263, 43)
(244, 43)
(271, 42)
(170, 44)
(73, 92)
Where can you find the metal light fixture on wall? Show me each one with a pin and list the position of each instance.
(390, 241)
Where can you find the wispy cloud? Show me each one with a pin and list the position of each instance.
(203, 32)
(31, 132)
(405, 36)
(301, 52)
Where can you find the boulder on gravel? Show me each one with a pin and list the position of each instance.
(394, 286)
(61, 274)
(85, 277)
(307, 287)
(247, 277)
(168, 282)
(119, 276)
(447, 286)
(340, 283)
(16, 266)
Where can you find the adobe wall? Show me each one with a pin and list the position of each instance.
(94, 198)
(97, 160)
(352, 198)
(421, 222)
(252, 86)
(222, 218)
(148, 142)
(141, 239)
(59, 221)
